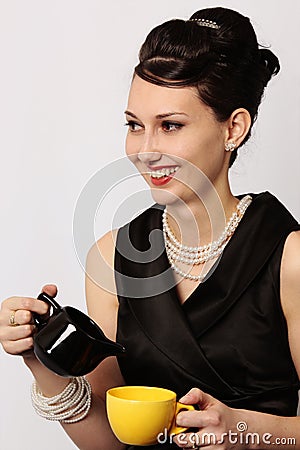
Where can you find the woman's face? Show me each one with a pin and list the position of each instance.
(171, 135)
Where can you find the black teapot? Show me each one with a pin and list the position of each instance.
(69, 342)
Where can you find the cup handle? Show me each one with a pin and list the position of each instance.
(54, 309)
(180, 407)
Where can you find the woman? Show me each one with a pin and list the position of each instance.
(217, 319)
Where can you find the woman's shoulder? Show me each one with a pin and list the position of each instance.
(104, 246)
(290, 276)
(100, 262)
(145, 218)
(272, 214)
(290, 264)
(290, 292)
(103, 249)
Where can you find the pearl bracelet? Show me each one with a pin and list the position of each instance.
(69, 406)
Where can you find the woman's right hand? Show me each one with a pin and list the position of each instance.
(18, 339)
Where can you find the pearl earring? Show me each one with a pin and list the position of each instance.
(230, 146)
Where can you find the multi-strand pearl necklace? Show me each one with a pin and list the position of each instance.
(178, 252)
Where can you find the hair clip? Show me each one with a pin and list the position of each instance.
(205, 23)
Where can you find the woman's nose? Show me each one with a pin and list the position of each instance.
(149, 149)
(147, 157)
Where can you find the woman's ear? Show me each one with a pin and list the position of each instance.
(239, 124)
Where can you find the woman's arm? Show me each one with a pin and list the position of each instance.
(93, 432)
(269, 430)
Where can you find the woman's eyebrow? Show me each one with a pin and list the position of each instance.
(160, 116)
(173, 113)
(128, 113)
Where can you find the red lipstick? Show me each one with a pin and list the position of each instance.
(162, 180)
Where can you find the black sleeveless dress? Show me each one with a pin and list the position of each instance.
(230, 336)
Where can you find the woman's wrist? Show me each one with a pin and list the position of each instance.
(29, 357)
(57, 398)
(260, 431)
(69, 406)
(49, 383)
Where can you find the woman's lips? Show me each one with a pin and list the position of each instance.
(162, 180)
(162, 175)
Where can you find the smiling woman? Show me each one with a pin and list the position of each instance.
(206, 283)
(185, 136)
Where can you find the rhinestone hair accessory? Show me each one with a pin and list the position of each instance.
(205, 23)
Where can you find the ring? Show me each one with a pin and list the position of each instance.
(12, 321)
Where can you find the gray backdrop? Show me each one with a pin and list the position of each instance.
(65, 72)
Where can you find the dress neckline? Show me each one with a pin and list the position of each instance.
(220, 260)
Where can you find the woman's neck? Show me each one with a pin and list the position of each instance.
(201, 221)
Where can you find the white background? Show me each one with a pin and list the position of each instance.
(65, 70)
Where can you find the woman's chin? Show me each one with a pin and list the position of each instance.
(164, 197)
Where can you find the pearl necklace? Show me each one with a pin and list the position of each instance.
(197, 255)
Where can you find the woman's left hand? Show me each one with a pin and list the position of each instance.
(217, 425)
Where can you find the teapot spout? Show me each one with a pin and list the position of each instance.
(112, 348)
(118, 348)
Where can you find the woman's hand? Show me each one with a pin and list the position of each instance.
(16, 322)
(214, 422)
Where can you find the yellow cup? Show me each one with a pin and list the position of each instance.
(139, 414)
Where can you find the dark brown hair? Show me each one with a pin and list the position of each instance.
(226, 64)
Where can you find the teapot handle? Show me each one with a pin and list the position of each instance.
(55, 308)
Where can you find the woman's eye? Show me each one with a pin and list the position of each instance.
(133, 126)
(171, 126)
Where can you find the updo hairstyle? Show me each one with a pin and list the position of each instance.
(226, 65)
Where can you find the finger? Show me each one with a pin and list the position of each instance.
(194, 445)
(197, 419)
(10, 333)
(23, 317)
(181, 440)
(187, 440)
(50, 289)
(196, 397)
(197, 440)
(18, 347)
(25, 303)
